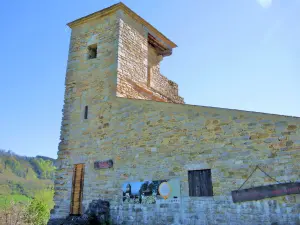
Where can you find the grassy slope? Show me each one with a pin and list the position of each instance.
(6, 199)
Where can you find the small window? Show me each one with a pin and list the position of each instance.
(200, 183)
(86, 109)
(148, 76)
(92, 51)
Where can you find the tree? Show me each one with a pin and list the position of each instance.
(37, 212)
(12, 214)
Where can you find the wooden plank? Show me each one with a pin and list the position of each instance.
(209, 184)
(190, 183)
(77, 189)
(81, 188)
(200, 183)
(268, 191)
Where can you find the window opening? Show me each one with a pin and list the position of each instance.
(200, 183)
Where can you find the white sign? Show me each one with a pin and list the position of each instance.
(164, 190)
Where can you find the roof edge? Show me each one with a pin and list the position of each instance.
(97, 14)
(114, 8)
(231, 110)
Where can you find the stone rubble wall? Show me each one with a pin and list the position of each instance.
(204, 211)
(134, 56)
(158, 141)
(175, 138)
(149, 140)
(158, 82)
(88, 82)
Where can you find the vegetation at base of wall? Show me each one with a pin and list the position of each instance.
(37, 212)
(33, 212)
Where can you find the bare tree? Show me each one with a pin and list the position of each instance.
(13, 213)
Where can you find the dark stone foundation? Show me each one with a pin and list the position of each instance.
(96, 213)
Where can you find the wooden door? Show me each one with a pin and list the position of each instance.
(77, 189)
(200, 183)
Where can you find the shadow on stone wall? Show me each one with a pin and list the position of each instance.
(97, 213)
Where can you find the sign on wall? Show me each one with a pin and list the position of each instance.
(164, 189)
(151, 192)
(103, 164)
(262, 192)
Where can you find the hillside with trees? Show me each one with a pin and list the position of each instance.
(23, 179)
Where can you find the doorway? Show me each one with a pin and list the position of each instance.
(77, 189)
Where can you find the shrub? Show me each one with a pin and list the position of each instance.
(46, 196)
(13, 213)
(34, 212)
(37, 212)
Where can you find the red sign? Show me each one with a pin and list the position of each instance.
(103, 164)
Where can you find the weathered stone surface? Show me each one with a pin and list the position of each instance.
(159, 140)
(139, 74)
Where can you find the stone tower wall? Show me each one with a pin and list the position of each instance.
(150, 140)
(88, 83)
(139, 74)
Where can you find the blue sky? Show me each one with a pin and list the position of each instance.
(235, 54)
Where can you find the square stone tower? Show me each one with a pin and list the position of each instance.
(113, 53)
(125, 124)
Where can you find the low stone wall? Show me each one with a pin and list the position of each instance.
(166, 87)
(198, 211)
(134, 57)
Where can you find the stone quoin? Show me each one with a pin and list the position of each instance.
(119, 108)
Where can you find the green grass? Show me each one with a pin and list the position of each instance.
(6, 199)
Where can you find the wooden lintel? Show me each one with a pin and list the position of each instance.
(160, 48)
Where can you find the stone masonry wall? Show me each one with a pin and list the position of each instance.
(134, 57)
(160, 141)
(174, 138)
(158, 82)
(150, 140)
(89, 82)
(204, 211)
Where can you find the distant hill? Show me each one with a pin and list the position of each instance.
(45, 158)
(23, 177)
